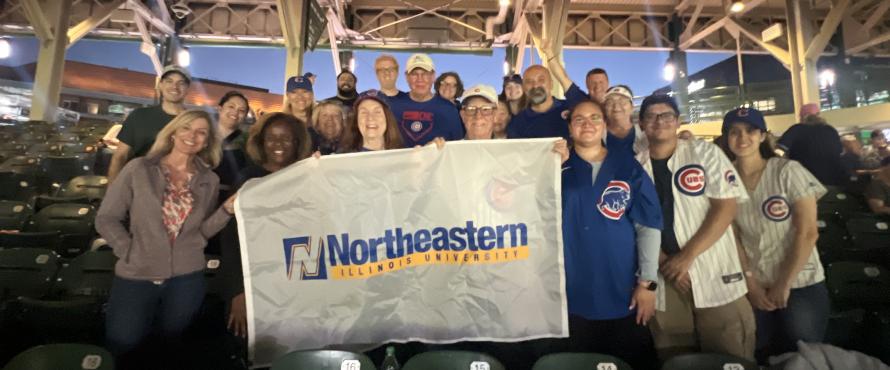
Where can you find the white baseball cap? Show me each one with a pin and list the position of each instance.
(481, 90)
(619, 90)
(421, 61)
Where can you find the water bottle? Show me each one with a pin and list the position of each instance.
(390, 362)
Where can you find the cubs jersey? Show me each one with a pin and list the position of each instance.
(634, 142)
(599, 239)
(701, 171)
(764, 223)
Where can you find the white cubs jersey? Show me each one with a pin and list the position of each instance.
(701, 171)
(764, 223)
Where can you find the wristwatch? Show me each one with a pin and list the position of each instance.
(652, 285)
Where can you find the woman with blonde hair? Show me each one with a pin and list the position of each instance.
(300, 98)
(157, 217)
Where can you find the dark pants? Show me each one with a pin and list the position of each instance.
(137, 309)
(621, 338)
(805, 318)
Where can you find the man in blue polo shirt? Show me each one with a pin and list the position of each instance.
(545, 115)
(421, 115)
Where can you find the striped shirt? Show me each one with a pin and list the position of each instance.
(765, 226)
(701, 172)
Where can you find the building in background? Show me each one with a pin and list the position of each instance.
(715, 90)
(100, 92)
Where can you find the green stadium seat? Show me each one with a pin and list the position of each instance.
(839, 201)
(14, 214)
(61, 169)
(580, 361)
(857, 285)
(33, 239)
(708, 361)
(215, 284)
(89, 274)
(869, 232)
(323, 360)
(26, 272)
(21, 164)
(845, 329)
(75, 223)
(45, 149)
(91, 186)
(65, 356)
(71, 319)
(452, 360)
(13, 147)
(18, 186)
(877, 335)
(43, 201)
(833, 238)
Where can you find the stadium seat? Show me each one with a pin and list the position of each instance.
(322, 360)
(215, 283)
(71, 319)
(26, 272)
(75, 223)
(33, 239)
(21, 164)
(877, 334)
(869, 232)
(580, 361)
(61, 169)
(64, 356)
(857, 285)
(91, 186)
(708, 361)
(44, 149)
(833, 238)
(13, 147)
(89, 274)
(839, 201)
(43, 201)
(14, 215)
(18, 186)
(452, 360)
(845, 329)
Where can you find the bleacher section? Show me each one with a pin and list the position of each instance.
(54, 285)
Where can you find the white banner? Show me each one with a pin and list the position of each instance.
(462, 243)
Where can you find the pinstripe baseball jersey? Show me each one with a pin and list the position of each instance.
(764, 223)
(701, 171)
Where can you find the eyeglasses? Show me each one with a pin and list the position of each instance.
(593, 119)
(387, 70)
(665, 117)
(420, 75)
(484, 111)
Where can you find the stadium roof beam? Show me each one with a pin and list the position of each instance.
(50, 59)
(686, 41)
(35, 15)
(292, 17)
(85, 26)
(858, 36)
(150, 17)
(148, 47)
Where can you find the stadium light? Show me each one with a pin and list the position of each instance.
(352, 64)
(669, 71)
(506, 68)
(826, 78)
(183, 57)
(5, 48)
(503, 2)
(737, 6)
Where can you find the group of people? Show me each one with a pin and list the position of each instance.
(707, 248)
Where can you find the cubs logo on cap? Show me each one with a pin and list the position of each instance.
(690, 180)
(730, 178)
(775, 208)
(613, 202)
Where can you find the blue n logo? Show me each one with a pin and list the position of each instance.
(299, 253)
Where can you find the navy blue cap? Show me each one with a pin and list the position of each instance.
(658, 99)
(371, 94)
(515, 78)
(299, 82)
(750, 116)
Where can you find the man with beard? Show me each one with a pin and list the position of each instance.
(346, 94)
(142, 125)
(545, 116)
(421, 115)
(622, 133)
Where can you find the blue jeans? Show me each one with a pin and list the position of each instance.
(805, 318)
(138, 308)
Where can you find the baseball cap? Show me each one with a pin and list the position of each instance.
(514, 78)
(299, 82)
(172, 68)
(372, 94)
(750, 116)
(481, 90)
(421, 61)
(621, 90)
